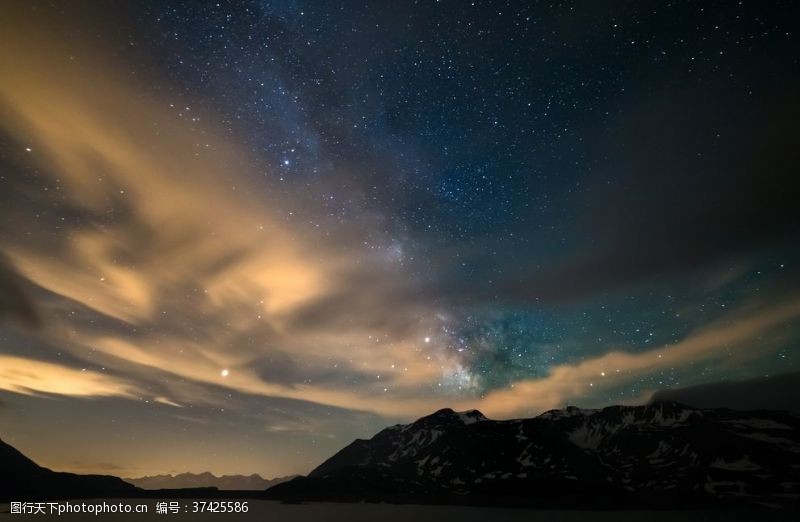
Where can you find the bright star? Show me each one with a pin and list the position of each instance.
(224, 372)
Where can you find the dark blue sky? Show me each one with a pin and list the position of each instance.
(580, 150)
(326, 216)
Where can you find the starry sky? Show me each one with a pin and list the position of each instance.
(236, 235)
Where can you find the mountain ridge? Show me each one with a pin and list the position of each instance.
(252, 482)
(21, 478)
(660, 454)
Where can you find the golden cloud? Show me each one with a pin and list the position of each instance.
(32, 377)
(614, 369)
(193, 266)
(188, 267)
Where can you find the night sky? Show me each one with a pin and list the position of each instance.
(236, 235)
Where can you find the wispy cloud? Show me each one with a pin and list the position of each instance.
(172, 267)
(570, 382)
(31, 377)
(168, 258)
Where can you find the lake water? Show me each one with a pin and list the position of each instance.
(264, 511)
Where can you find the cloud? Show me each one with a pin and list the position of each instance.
(175, 256)
(775, 392)
(97, 468)
(164, 400)
(32, 377)
(569, 382)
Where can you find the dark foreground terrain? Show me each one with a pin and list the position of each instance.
(662, 456)
(341, 512)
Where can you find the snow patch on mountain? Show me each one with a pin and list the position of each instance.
(742, 464)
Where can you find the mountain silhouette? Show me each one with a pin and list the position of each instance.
(658, 455)
(23, 479)
(205, 480)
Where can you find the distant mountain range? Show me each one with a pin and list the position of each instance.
(22, 479)
(658, 455)
(204, 480)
